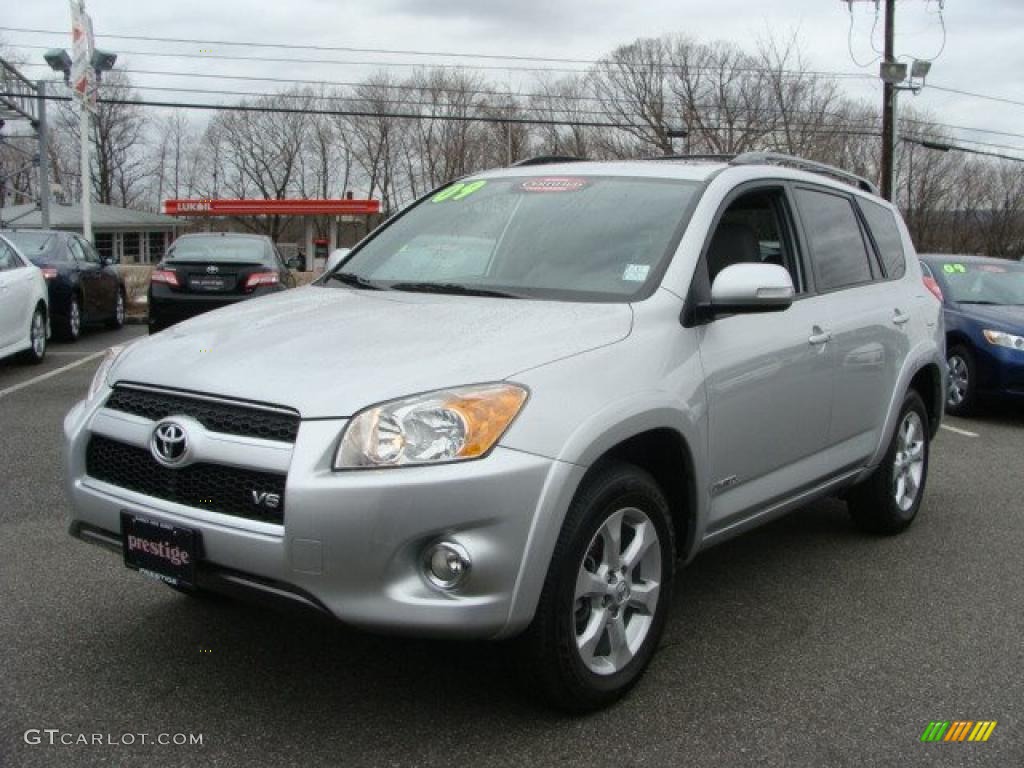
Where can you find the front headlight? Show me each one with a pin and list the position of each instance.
(447, 425)
(1002, 339)
(99, 379)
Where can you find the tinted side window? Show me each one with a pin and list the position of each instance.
(837, 246)
(883, 228)
(76, 249)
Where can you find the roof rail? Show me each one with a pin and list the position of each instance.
(723, 157)
(547, 160)
(789, 161)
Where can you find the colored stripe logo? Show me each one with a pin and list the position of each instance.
(958, 730)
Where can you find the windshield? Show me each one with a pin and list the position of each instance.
(217, 248)
(576, 238)
(972, 282)
(30, 243)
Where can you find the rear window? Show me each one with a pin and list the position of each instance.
(882, 224)
(30, 243)
(837, 245)
(218, 249)
(583, 238)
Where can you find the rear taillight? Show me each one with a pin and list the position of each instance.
(165, 276)
(931, 285)
(50, 273)
(261, 278)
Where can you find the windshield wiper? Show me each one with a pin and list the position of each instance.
(348, 278)
(981, 301)
(453, 288)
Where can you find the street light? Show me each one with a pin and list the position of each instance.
(59, 61)
(101, 61)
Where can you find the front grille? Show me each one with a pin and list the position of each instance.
(215, 416)
(227, 490)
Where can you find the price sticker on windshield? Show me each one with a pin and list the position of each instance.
(553, 184)
(460, 190)
(954, 269)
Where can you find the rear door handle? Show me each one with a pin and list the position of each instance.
(899, 317)
(819, 336)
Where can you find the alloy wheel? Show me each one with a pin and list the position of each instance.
(908, 465)
(959, 381)
(38, 334)
(74, 319)
(616, 592)
(119, 309)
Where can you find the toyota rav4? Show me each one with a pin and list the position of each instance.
(519, 406)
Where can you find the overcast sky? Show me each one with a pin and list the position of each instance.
(984, 48)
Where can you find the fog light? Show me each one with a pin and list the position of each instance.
(447, 564)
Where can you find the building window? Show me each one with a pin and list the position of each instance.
(157, 244)
(131, 247)
(105, 244)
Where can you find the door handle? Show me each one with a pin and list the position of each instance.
(819, 336)
(899, 317)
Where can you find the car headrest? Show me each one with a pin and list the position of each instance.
(732, 243)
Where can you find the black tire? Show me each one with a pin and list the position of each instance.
(554, 660)
(961, 400)
(117, 321)
(71, 329)
(36, 353)
(874, 504)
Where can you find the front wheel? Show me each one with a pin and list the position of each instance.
(608, 589)
(888, 501)
(961, 394)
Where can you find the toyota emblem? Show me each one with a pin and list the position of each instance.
(169, 443)
(213, 269)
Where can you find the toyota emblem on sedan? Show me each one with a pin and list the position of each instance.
(169, 443)
(213, 269)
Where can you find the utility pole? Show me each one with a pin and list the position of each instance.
(889, 104)
(44, 157)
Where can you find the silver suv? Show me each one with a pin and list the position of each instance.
(521, 404)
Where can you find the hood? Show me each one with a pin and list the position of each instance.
(329, 352)
(1008, 318)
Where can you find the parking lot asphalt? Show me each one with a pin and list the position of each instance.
(804, 643)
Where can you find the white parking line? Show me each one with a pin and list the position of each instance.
(959, 431)
(51, 374)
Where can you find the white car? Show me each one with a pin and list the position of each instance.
(24, 317)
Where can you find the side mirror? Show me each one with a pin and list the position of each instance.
(744, 288)
(336, 257)
(108, 261)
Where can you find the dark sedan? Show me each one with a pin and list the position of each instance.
(983, 302)
(207, 271)
(83, 287)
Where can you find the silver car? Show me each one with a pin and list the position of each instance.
(519, 406)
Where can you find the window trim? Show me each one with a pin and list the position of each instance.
(699, 292)
(874, 275)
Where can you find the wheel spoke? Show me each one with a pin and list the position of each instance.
(618, 642)
(644, 596)
(611, 532)
(589, 584)
(588, 641)
(643, 538)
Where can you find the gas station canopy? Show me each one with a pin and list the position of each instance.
(312, 207)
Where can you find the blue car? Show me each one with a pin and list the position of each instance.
(983, 303)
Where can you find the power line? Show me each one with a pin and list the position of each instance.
(481, 67)
(384, 51)
(974, 94)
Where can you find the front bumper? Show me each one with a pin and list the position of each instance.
(352, 542)
(1001, 371)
